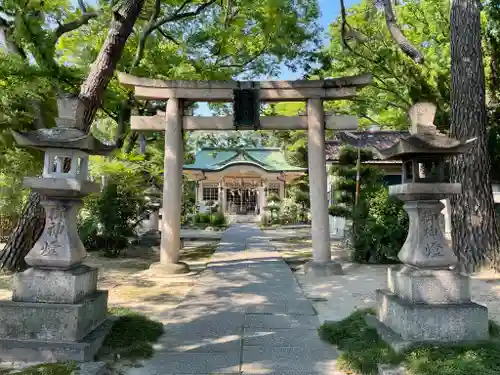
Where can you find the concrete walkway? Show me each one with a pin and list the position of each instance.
(245, 315)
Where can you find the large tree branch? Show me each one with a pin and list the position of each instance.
(73, 25)
(144, 35)
(397, 35)
(177, 15)
(168, 36)
(101, 71)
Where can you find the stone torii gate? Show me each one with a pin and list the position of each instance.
(246, 97)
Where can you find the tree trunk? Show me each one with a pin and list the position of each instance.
(30, 226)
(474, 232)
(23, 237)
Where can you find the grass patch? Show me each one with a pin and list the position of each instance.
(362, 350)
(59, 368)
(132, 336)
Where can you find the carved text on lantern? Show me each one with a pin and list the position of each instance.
(54, 227)
(430, 227)
(433, 249)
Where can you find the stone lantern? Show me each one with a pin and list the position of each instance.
(151, 235)
(153, 197)
(427, 300)
(56, 312)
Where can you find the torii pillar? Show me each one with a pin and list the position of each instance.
(172, 191)
(321, 264)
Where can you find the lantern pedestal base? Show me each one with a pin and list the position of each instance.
(12, 350)
(35, 331)
(402, 323)
(55, 315)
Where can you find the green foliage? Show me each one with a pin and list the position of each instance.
(289, 211)
(362, 350)
(345, 172)
(49, 369)
(339, 211)
(380, 223)
(132, 336)
(216, 219)
(494, 144)
(15, 164)
(109, 218)
(232, 139)
(301, 197)
(188, 199)
(273, 198)
(380, 227)
(398, 81)
(273, 206)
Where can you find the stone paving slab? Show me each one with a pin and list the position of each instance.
(295, 337)
(194, 343)
(205, 328)
(283, 360)
(164, 363)
(280, 321)
(296, 307)
(246, 314)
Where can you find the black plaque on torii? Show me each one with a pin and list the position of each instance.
(246, 106)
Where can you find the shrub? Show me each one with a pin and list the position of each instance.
(217, 219)
(303, 200)
(289, 211)
(339, 211)
(110, 218)
(380, 227)
(202, 218)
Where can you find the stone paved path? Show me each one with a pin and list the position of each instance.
(246, 315)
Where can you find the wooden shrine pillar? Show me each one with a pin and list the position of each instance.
(321, 264)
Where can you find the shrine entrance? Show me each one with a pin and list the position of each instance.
(242, 202)
(246, 98)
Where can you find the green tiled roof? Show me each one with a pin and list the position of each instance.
(268, 159)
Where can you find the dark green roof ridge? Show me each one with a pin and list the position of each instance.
(270, 159)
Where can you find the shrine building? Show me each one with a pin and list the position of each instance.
(240, 180)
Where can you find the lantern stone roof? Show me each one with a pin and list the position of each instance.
(268, 159)
(372, 140)
(425, 144)
(63, 138)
